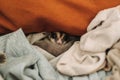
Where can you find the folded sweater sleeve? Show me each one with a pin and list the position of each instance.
(71, 16)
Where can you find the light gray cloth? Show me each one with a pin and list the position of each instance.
(99, 38)
(24, 62)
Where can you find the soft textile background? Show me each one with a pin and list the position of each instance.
(24, 62)
(71, 16)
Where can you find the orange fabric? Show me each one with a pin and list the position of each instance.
(71, 16)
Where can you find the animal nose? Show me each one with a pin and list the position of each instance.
(59, 42)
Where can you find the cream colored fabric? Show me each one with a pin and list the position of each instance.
(24, 62)
(88, 55)
(101, 38)
(113, 58)
(77, 62)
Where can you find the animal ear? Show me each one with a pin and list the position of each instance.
(53, 35)
(45, 33)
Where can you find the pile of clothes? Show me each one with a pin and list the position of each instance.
(94, 57)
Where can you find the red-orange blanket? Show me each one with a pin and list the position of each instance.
(71, 16)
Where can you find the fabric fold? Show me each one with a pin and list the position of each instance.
(77, 62)
(101, 38)
(113, 59)
(88, 55)
(23, 62)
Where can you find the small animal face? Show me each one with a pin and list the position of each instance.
(59, 37)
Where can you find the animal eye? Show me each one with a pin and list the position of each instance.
(66, 38)
(53, 35)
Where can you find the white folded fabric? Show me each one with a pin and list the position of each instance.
(104, 35)
(77, 62)
(88, 55)
(113, 59)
